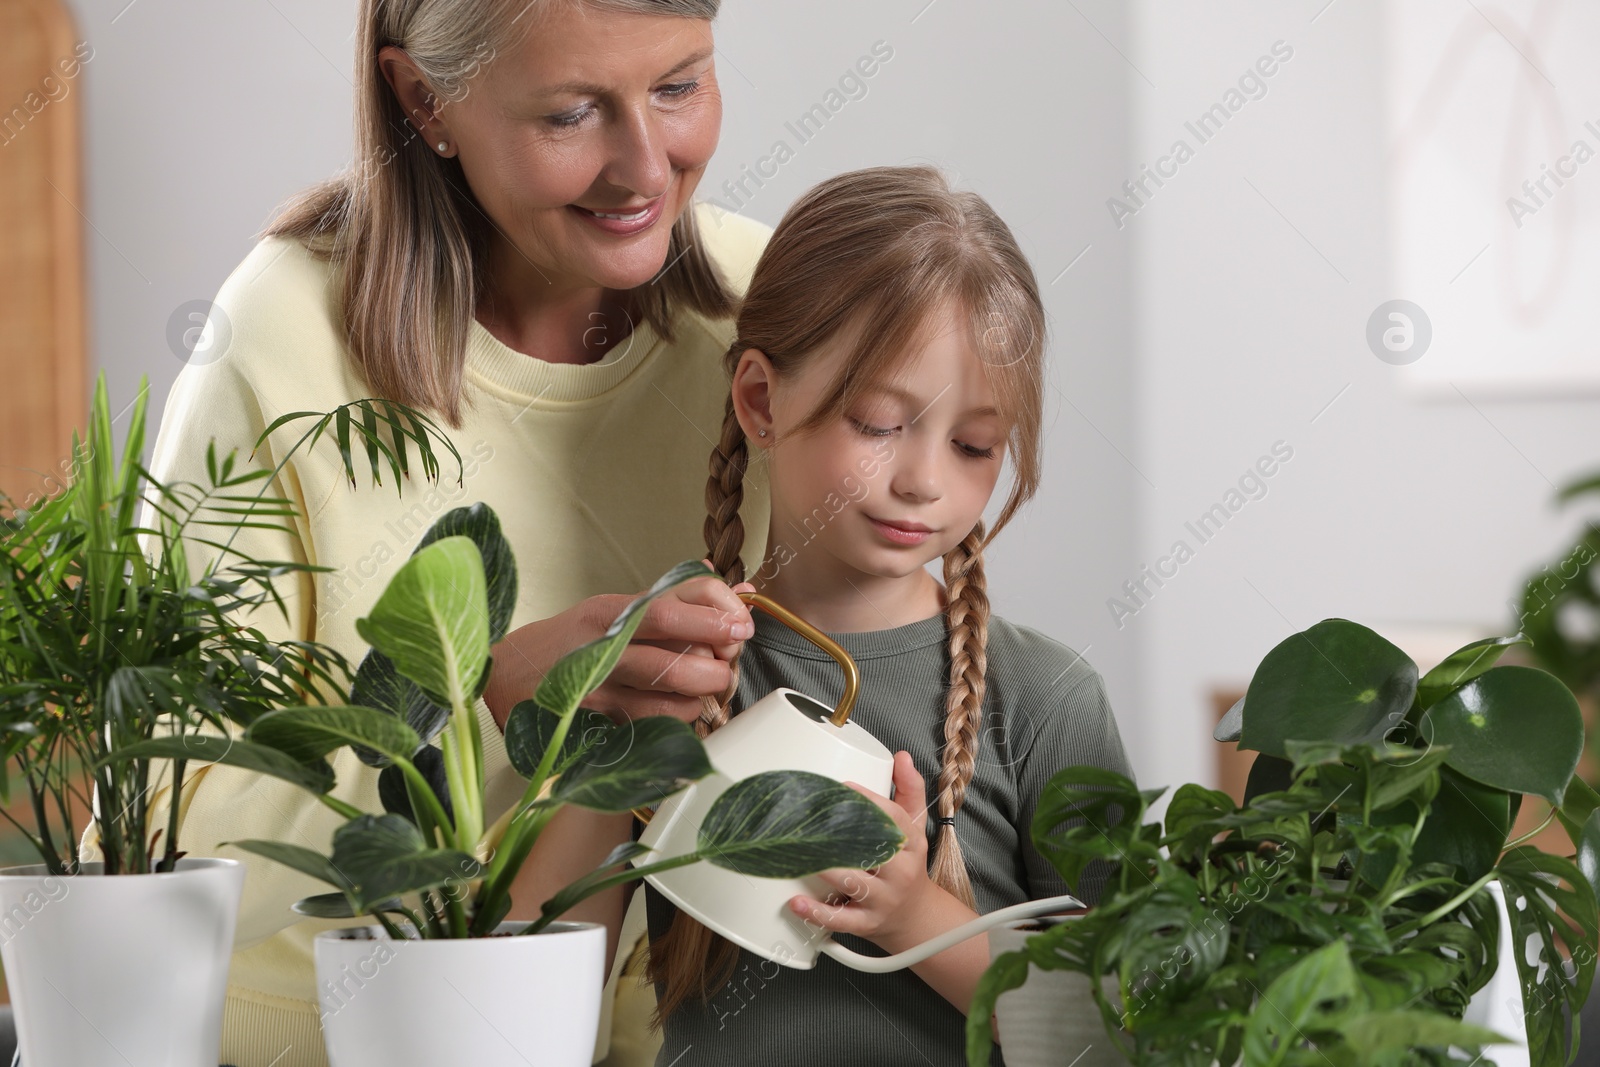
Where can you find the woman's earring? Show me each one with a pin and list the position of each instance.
(443, 146)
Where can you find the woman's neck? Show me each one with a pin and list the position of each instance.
(535, 315)
(839, 602)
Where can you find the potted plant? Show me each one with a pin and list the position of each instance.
(1352, 910)
(109, 642)
(442, 976)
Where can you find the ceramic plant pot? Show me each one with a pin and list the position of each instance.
(121, 971)
(497, 1001)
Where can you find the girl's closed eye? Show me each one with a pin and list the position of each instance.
(870, 430)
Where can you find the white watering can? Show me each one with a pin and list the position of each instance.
(786, 730)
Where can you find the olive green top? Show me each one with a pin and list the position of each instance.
(1044, 709)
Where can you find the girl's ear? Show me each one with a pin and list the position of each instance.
(753, 380)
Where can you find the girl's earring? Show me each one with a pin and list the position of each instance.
(761, 433)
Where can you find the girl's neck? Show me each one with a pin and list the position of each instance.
(853, 603)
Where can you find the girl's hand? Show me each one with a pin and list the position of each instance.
(679, 653)
(888, 904)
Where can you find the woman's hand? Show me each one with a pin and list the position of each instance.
(680, 652)
(891, 904)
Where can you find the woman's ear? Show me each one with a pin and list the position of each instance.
(416, 99)
(753, 380)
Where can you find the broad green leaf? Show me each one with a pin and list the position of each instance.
(789, 824)
(578, 673)
(315, 775)
(1268, 774)
(482, 526)
(1310, 999)
(303, 860)
(385, 856)
(379, 684)
(1588, 857)
(1231, 724)
(1577, 805)
(337, 906)
(636, 764)
(1085, 814)
(530, 729)
(310, 733)
(1462, 666)
(1515, 728)
(433, 620)
(1466, 827)
(1372, 1033)
(1337, 681)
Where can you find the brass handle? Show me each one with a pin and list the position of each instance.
(852, 674)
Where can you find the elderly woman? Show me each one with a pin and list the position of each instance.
(518, 251)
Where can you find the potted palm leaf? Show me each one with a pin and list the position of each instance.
(116, 946)
(440, 975)
(1354, 910)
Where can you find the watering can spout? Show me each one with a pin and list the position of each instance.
(1030, 909)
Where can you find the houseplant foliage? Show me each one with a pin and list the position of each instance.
(1341, 915)
(431, 865)
(1560, 611)
(109, 641)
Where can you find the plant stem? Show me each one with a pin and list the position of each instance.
(1444, 909)
(615, 880)
(1531, 833)
(349, 811)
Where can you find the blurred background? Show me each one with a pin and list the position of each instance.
(1321, 274)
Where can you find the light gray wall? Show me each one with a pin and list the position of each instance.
(201, 117)
(1403, 515)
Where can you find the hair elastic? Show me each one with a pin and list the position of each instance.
(947, 820)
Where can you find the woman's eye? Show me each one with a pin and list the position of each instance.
(872, 431)
(569, 119)
(681, 89)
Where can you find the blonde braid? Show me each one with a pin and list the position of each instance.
(968, 612)
(689, 960)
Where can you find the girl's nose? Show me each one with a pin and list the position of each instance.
(916, 475)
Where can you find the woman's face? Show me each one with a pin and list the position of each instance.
(594, 112)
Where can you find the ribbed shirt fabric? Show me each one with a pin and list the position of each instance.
(597, 472)
(1044, 708)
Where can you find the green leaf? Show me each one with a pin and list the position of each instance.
(480, 524)
(315, 775)
(1008, 971)
(1268, 774)
(379, 684)
(303, 860)
(1371, 1033)
(1085, 814)
(1311, 998)
(433, 621)
(385, 856)
(789, 824)
(1588, 857)
(1337, 681)
(1515, 728)
(337, 906)
(597, 880)
(1466, 828)
(1548, 898)
(530, 729)
(1231, 724)
(306, 734)
(1462, 666)
(396, 796)
(637, 764)
(580, 672)
(1580, 802)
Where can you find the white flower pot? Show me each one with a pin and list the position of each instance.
(123, 971)
(1053, 1017)
(488, 1002)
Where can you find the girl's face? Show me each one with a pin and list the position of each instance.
(594, 112)
(898, 480)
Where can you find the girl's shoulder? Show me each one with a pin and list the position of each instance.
(1033, 673)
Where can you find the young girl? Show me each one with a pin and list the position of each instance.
(889, 357)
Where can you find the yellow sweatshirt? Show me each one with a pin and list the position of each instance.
(598, 475)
